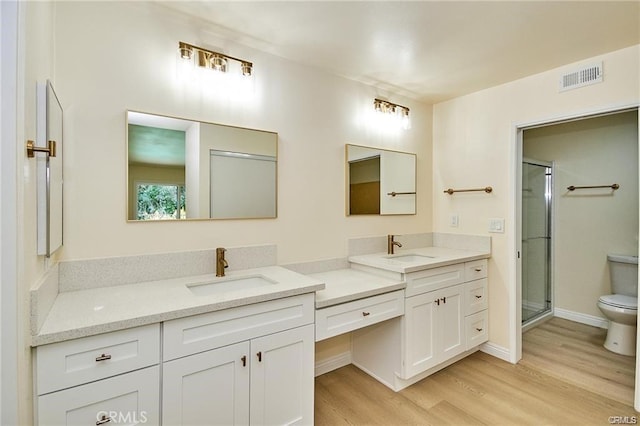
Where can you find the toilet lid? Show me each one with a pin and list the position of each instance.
(620, 301)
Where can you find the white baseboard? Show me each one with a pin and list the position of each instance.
(332, 363)
(497, 351)
(581, 318)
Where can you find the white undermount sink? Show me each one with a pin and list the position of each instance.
(224, 285)
(409, 258)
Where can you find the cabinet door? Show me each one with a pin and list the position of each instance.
(210, 388)
(450, 323)
(282, 377)
(127, 399)
(419, 334)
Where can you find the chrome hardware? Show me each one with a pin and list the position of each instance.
(104, 419)
(103, 357)
(391, 243)
(32, 149)
(366, 314)
(259, 354)
(244, 360)
(221, 262)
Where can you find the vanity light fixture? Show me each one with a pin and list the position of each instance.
(209, 59)
(393, 112)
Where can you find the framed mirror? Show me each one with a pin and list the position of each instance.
(380, 181)
(179, 169)
(49, 169)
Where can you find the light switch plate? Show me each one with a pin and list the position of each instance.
(453, 220)
(496, 225)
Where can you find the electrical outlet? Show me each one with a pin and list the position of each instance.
(496, 225)
(453, 220)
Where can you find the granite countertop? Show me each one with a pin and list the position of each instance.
(99, 310)
(346, 285)
(413, 260)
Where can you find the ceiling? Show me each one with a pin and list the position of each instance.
(426, 50)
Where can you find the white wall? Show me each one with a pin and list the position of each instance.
(35, 64)
(474, 145)
(589, 224)
(114, 56)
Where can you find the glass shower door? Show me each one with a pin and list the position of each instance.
(536, 240)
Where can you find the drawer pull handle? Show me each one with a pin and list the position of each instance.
(104, 419)
(478, 297)
(259, 354)
(478, 269)
(366, 314)
(103, 357)
(444, 300)
(244, 360)
(438, 302)
(478, 329)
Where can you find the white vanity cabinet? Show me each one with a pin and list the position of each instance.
(433, 329)
(445, 315)
(248, 365)
(112, 378)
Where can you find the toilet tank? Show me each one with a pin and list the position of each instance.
(623, 272)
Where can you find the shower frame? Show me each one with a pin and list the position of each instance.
(547, 313)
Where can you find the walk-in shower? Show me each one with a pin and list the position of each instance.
(537, 187)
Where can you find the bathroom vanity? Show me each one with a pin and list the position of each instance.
(242, 356)
(239, 349)
(402, 336)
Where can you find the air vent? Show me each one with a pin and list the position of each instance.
(585, 76)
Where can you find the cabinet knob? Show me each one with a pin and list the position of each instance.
(244, 360)
(259, 355)
(103, 357)
(104, 419)
(366, 314)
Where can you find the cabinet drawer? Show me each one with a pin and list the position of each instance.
(434, 279)
(477, 328)
(186, 336)
(476, 297)
(132, 398)
(74, 362)
(475, 270)
(350, 316)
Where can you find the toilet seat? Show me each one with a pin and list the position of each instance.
(620, 301)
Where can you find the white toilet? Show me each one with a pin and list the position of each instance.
(621, 307)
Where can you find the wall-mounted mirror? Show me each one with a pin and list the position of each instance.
(49, 169)
(184, 169)
(380, 181)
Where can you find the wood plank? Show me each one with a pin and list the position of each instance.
(565, 377)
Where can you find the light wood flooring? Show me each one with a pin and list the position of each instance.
(565, 377)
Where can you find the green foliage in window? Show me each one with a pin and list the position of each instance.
(161, 202)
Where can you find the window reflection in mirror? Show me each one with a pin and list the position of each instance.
(184, 169)
(380, 181)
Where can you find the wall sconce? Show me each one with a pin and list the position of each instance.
(393, 112)
(204, 58)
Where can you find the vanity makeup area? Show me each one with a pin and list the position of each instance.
(162, 339)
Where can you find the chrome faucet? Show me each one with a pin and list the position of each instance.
(391, 243)
(221, 262)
